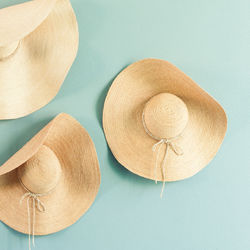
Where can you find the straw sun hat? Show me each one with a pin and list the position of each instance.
(160, 124)
(38, 44)
(57, 172)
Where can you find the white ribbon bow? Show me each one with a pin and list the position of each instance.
(169, 144)
(36, 204)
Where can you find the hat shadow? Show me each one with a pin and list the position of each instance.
(23, 136)
(13, 231)
(24, 237)
(88, 57)
(102, 97)
(125, 173)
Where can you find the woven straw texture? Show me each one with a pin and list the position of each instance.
(38, 44)
(132, 146)
(76, 188)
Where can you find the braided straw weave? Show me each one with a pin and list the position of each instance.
(55, 177)
(175, 107)
(38, 44)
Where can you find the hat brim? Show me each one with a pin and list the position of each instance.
(19, 20)
(126, 136)
(33, 75)
(76, 190)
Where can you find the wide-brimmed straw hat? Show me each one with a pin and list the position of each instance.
(38, 44)
(160, 124)
(57, 172)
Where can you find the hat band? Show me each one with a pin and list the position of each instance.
(169, 142)
(37, 204)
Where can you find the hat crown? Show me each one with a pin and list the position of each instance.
(41, 173)
(165, 115)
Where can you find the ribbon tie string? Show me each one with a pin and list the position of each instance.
(157, 146)
(36, 204)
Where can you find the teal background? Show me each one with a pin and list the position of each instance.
(209, 41)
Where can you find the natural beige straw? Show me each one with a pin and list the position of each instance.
(161, 141)
(174, 105)
(58, 167)
(32, 36)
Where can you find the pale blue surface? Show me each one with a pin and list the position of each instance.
(208, 40)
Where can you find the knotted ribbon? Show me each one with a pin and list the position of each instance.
(157, 146)
(36, 204)
(169, 144)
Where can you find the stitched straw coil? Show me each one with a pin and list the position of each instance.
(175, 107)
(61, 161)
(38, 44)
